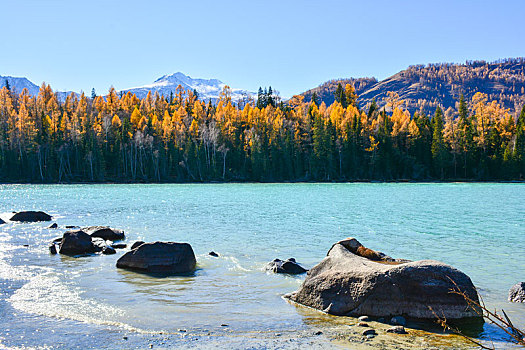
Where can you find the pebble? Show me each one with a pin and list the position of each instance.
(397, 330)
(362, 324)
(369, 331)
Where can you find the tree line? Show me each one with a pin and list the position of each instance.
(121, 138)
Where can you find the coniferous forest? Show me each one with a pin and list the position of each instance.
(179, 138)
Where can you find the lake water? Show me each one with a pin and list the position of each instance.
(85, 302)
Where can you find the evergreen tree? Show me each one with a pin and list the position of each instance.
(93, 94)
(519, 148)
(438, 143)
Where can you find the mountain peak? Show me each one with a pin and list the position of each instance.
(206, 88)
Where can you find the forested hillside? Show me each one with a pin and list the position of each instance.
(124, 138)
(427, 87)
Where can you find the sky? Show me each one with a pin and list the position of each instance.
(289, 45)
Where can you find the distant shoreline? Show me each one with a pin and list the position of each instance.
(261, 182)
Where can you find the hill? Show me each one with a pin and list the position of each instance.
(426, 87)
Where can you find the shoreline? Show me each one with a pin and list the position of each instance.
(460, 181)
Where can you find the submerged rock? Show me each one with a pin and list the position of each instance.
(397, 330)
(398, 321)
(160, 257)
(136, 244)
(105, 232)
(76, 243)
(53, 225)
(289, 266)
(31, 216)
(345, 283)
(52, 249)
(213, 254)
(517, 293)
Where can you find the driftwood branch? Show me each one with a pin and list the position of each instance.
(504, 323)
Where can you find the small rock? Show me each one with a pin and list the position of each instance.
(31, 216)
(109, 250)
(105, 232)
(278, 334)
(52, 249)
(26, 245)
(517, 293)
(53, 225)
(289, 266)
(397, 330)
(125, 338)
(119, 245)
(318, 333)
(72, 226)
(75, 243)
(364, 318)
(212, 253)
(398, 320)
(369, 331)
(2, 221)
(224, 325)
(362, 324)
(151, 346)
(182, 330)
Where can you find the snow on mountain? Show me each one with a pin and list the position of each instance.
(18, 84)
(206, 88)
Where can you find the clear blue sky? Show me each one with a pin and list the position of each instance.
(290, 45)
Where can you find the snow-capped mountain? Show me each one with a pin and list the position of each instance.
(18, 84)
(206, 88)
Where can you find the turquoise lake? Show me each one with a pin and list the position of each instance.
(86, 302)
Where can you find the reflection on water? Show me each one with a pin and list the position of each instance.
(250, 225)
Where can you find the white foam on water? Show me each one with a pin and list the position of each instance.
(46, 295)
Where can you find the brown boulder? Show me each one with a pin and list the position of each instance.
(345, 283)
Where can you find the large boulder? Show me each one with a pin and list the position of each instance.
(517, 293)
(105, 232)
(31, 216)
(348, 283)
(289, 266)
(160, 257)
(76, 243)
